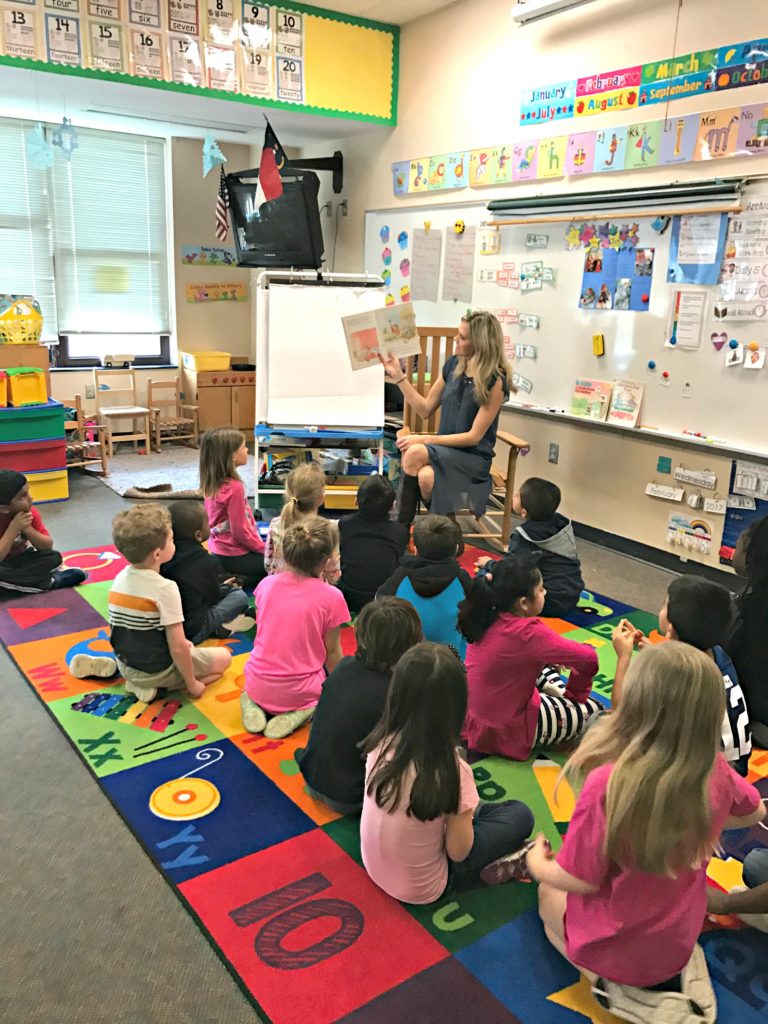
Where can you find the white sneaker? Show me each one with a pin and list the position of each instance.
(240, 624)
(145, 693)
(283, 725)
(254, 718)
(85, 666)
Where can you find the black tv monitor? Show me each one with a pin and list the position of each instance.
(286, 232)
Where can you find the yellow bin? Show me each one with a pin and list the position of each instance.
(52, 486)
(26, 386)
(199, 361)
(3, 389)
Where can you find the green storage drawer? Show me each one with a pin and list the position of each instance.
(33, 422)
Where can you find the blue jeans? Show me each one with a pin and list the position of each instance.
(756, 868)
(229, 607)
(499, 829)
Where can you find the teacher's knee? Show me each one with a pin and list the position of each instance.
(426, 479)
(415, 458)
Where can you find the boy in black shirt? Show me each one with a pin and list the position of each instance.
(352, 703)
(371, 543)
(211, 605)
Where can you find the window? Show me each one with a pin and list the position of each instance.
(94, 238)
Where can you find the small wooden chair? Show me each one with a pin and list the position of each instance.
(436, 348)
(172, 420)
(119, 403)
(81, 451)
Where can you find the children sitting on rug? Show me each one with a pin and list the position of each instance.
(28, 563)
(749, 642)
(212, 605)
(423, 829)
(352, 702)
(146, 616)
(372, 544)
(304, 494)
(702, 614)
(625, 897)
(298, 618)
(547, 537)
(432, 580)
(517, 701)
(234, 538)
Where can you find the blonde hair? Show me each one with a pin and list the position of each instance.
(309, 544)
(138, 531)
(304, 490)
(662, 742)
(217, 458)
(488, 359)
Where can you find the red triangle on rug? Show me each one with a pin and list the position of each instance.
(25, 618)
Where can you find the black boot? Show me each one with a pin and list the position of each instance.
(409, 499)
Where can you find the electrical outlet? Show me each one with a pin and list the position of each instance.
(90, 391)
(343, 207)
(554, 453)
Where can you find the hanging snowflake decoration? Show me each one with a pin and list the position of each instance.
(39, 149)
(65, 137)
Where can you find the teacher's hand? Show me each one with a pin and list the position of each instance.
(392, 366)
(409, 440)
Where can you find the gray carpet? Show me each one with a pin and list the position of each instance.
(175, 465)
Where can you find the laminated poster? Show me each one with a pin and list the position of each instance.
(147, 54)
(425, 268)
(63, 42)
(256, 26)
(144, 12)
(290, 33)
(696, 248)
(109, 9)
(290, 79)
(459, 266)
(106, 46)
(63, 6)
(221, 21)
(686, 318)
(221, 68)
(186, 60)
(617, 280)
(184, 17)
(256, 72)
(20, 32)
(218, 292)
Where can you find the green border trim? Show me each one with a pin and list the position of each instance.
(189, 90)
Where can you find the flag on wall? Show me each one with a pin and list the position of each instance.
(222, 208)
(273, 160)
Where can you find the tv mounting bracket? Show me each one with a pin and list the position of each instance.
(334, 163)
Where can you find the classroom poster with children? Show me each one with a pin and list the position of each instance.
(617, 280)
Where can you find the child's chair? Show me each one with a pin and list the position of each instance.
(436, 348)
(85, 438)
(172, 420)
(118, 402)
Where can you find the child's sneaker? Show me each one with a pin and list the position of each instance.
(283, 725)
(240, 624)
(85, 666)
(145, 693)
(511, 868)
(67, 578)
(254, 719)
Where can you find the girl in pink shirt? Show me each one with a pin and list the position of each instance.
(516, 700)
(298, 619)
(234, 536)
(625, 898)
(423, 828)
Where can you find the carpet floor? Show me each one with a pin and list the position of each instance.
(274, 879)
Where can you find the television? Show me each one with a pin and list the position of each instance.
(286, 232)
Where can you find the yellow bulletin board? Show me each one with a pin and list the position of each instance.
(347, 67)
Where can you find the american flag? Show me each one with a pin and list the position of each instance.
(222, 208)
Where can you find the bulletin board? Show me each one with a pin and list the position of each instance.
(700, 393)
(285, 56)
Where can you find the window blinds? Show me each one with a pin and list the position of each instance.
(26, 258)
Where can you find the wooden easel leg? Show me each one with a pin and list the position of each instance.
(509, 494)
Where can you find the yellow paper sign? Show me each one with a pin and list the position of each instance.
(233, 292)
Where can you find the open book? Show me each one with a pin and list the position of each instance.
(381, 332)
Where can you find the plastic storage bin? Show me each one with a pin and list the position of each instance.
(199, 361)
(26, 386)
(3, 389)
(34, 456)
(51, 486)
(32, 423)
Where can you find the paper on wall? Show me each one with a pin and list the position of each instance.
(19, 32)
(459, 266)
(750, 479)
(105, 46)
(256, 72)
(147, 53)
(184, 17)
(290, 33)
(697, 478)
(109, 9)
(144, 12)
(63, 41)
(686, 318)
(425, 264)
(221, 68)
(390, 331)
(186, 60)
(654, 490)
(692, 534)
(290, 79)
(221, 21)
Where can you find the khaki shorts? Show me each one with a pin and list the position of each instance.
(170, 678)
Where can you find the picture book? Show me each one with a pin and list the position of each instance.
(625, 402)
(591, 398)
(381, 332)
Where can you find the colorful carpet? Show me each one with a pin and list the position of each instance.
(274, 878)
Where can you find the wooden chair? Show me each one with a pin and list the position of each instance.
(172, 420)
(436, 348)
(116, 403)
(81, 451)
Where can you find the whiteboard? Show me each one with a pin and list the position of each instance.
(309, 381)
(730, 404)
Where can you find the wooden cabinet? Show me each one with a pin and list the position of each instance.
(224, 397)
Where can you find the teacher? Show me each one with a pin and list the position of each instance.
(451, 470)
